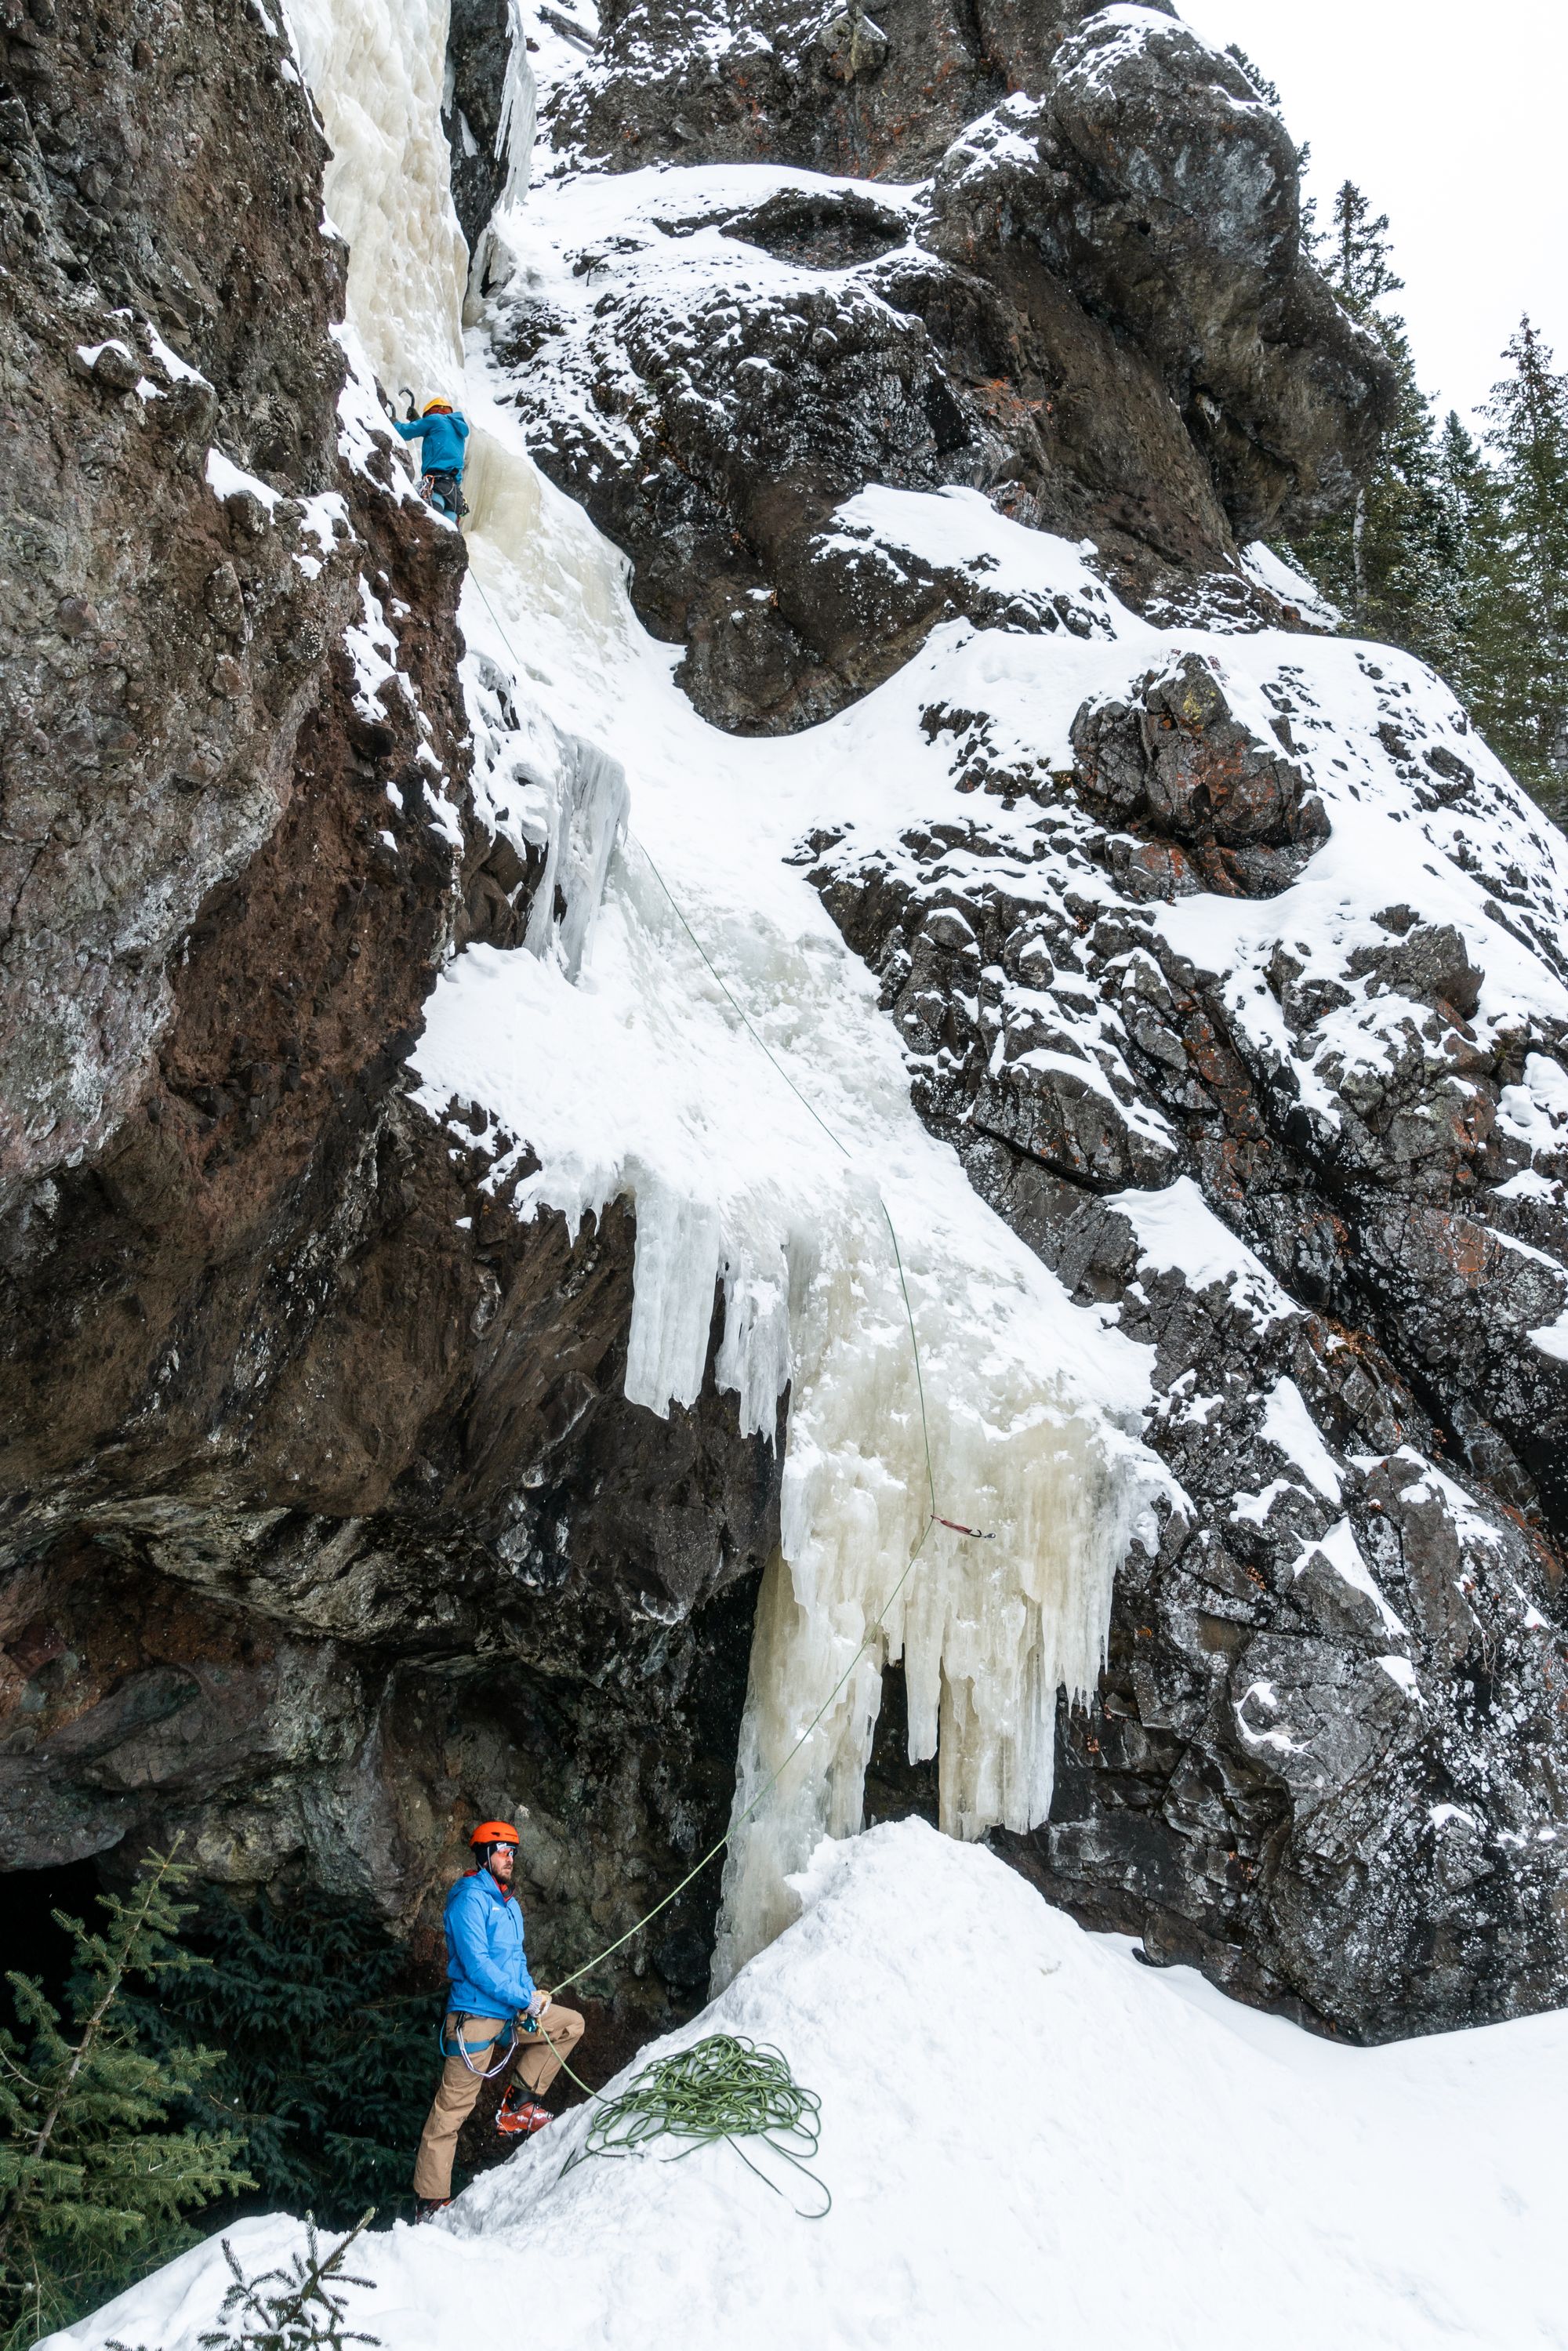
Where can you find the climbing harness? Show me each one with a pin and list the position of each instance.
(723, 2087)
(485, 2073)
(437, 489)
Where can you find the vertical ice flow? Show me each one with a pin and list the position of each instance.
(375, 70)
(587, 819)
(615, 1054)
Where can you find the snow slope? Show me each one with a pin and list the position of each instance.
(1029, 2138)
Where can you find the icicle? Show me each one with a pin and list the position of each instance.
(514, 133)
(755, 1358)
(676, 1269)
(589, 818)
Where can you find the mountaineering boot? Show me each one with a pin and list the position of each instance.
(425, 2207)
(519, 2114)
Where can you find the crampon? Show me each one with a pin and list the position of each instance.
(520, 2115)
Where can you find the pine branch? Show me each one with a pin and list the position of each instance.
(119, 1950)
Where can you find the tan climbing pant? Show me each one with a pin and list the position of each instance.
(538, 2061)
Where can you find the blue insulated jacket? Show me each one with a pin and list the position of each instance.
(484, 1948)
(442, 437)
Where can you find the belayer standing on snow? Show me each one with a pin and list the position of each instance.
(492, 1991)
(444, 433)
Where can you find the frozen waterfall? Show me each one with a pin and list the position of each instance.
(605, 1044)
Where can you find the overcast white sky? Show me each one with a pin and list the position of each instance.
(1452, 118)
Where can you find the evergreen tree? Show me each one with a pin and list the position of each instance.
(1461, 560)
(93, 2180)
(1390, 561)
(295, 2307)
(1357, 257)
(1471, 538)
(331, 2055)
(1260, 81)
(1524, 616)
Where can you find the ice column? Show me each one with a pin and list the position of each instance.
(376, 72)
(987, 1631)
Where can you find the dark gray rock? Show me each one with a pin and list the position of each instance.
(1216, 808)
(1152, 183)
(474, 108)
(1103, 318)
(869, 93)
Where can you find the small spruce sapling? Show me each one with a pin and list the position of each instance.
(92, 2180)
(305, 2307)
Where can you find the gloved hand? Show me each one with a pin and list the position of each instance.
(540, 2003)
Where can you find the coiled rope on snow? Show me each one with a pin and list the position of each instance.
(723, 2087)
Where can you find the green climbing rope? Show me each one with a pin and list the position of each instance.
(722, 2088)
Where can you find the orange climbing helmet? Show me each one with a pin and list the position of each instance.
(489, 1833)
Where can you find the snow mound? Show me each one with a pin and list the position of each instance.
(1281, 579)
(1027, 2135)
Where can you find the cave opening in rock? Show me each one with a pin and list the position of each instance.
(36, 1944)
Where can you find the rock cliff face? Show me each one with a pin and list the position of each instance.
(326, 1521)
(1233, 977)
(1321, 1765)
(1097, 311)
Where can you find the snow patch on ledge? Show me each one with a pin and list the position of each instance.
(227, 480)
(1288, 1426)
(1178, 1232)
(1342, 1552)
(1551, 1338)
(1270, 571)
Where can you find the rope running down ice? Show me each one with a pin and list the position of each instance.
(934, 1517)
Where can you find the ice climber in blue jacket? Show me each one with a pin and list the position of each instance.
(443, 433)
(491, 1989)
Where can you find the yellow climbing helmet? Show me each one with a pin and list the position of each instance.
(437, 407)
